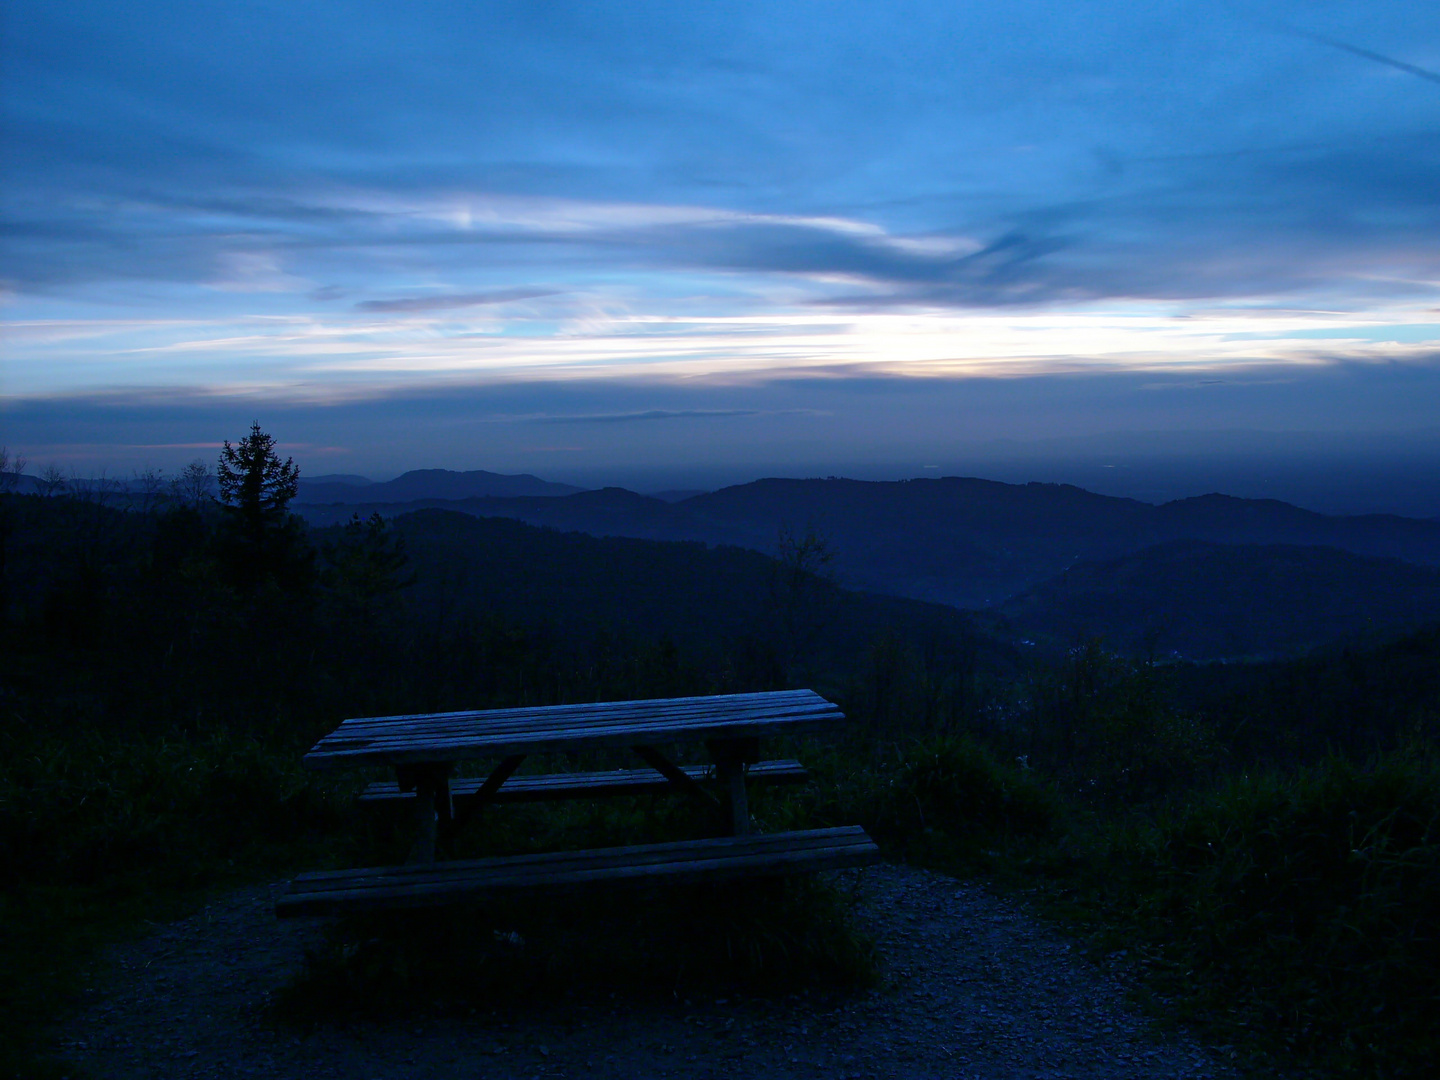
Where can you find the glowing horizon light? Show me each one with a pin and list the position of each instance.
(368, 354)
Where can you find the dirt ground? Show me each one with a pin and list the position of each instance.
(974, 987)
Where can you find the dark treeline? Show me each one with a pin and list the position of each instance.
(174, 618)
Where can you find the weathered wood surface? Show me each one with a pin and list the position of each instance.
(590, 785)
(729, 857)
(396, 740)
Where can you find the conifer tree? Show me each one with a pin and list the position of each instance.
(266, 542)
(255, 483)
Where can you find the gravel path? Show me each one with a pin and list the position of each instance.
(975, 988)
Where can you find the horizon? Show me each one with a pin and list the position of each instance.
(1397, 487)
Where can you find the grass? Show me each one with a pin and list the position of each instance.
(1300, 908)
(1291, 915)
(1290, 912)
(99, 832)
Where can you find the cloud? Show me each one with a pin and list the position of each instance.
(662, 414)
(447, 303)
(1388, 61)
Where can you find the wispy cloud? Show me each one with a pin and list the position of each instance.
(662, 414)
(1356, 50)
(449, 303)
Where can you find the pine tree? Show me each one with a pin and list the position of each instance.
(255, 483)
(265, 541)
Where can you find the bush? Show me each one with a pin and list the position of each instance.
(1304, 905)
(944, 799)
(88, 805)
(762, 936)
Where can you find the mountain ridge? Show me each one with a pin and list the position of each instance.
(962, 541)
(1199, 600)
(429, 484)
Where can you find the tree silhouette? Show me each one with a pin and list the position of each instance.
(255, 483)
(266, 541)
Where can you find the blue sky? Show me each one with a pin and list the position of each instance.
(581, 239)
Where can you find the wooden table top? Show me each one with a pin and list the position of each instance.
(437, 737)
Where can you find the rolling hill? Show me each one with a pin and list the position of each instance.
(426, 484)
(1203, 601)
(959, 541)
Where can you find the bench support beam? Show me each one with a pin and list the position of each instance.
(485, 793)
(676, 775)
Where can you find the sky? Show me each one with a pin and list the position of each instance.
(694, 242)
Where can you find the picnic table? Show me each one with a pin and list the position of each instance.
(424, 751)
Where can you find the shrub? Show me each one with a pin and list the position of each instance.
(762, 936)
(1305, 905)
(945, 798)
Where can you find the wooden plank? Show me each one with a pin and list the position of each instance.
(345, 736)
(381, 752)
(639, 706)
(598, 859)
(589, 785)
(560, 717)
(686, 861)
(542, 724)
(451, 736)
(677, 776)
(431, 808)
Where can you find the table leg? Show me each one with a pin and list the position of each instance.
(731, 775)
(431, 784)
(730, 757)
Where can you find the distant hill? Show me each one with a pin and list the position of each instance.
(677, 495)
(349, 479)
(426, 484)
(966, 542)
(1204, 601)
(607, 512)
(704, 599)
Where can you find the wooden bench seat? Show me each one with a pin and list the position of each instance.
(588, 785)
(432, 884)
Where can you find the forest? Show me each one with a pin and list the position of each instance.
(1261, 836)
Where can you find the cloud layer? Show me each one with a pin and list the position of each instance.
(339, 203)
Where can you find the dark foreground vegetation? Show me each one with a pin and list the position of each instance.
(1261, 840)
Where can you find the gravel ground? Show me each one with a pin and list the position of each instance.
(975, 987)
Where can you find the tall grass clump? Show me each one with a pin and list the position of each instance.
(1303, 907)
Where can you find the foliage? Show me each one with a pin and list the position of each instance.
(935, 798)
(1110, 728)
(264, 543)
(254, 481)
(1300, 908)
(193, 486)
(98, 805)
(762, 937)
(802, 591)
